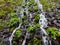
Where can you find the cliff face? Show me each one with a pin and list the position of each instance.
(23, 16)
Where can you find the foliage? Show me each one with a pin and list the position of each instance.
(37, 17)
(7, 10)
(1, 42)
(35, 8)
(24, 17)
(30, 28)
(3, 24)
(14, 21)
(32, 5)
(11, 29)
(34, 27)
(13, 15)
(18, 33)
(46, 4)
(37, 25)
(53, 32)
(14, 43)
(36, 41)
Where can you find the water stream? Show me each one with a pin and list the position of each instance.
(43, 22)
(12, 35)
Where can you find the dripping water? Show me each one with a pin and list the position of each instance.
(12, 35)
(43, 22)
(26, 11)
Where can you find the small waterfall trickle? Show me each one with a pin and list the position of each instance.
(12, 35)
(26, 11)
(24, 41)
(20, 20)
(43, 22)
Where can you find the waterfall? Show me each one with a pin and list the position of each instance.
(12, 35)
(20, 20)
(24, 41)
(26, 10)
(43, 22)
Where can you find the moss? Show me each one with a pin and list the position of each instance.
(3, 24)
(11, 29)
(14, 21)
(1, 43)
(37, 17)
(53, 32)
(32, 28)
(47, 4)
(18, 33)
(35, 8)
(13, 15)
(35, 41)
(14, 43)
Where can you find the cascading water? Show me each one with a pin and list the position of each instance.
(43, 22)
(12, 35)
(26, 10)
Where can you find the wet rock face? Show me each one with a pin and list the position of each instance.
(54, 17)
(6, 42)
(5, 33)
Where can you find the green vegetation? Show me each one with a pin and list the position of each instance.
(33, 28)
(37, 17)
(47, 4)
(53, 32)
(1, 42)
(18, 33)
(7, 10)
(35, 41)
(30, 28)
(3, 24)
(32, 6)
(11, 29)
(14, 43)
(13, 21)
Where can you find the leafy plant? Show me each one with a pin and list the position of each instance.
(13, 15)
(37, 17)
(35, 8)
(14, 21)
(36, 41)
(30, 28)
(11, 29)
(18, 33)
(1, 43)
(53, 32)
(34, 27)
(47, 4)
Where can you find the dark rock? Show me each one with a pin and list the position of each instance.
(58, 21)
(51, 14)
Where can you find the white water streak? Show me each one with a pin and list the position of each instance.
(24, 41)
(43, 22)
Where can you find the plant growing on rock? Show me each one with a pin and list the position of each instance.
(1, 43)
(53, 32)
(30, 28)
(37, 17)
(18, 33)
(47, 4)
(14, 21)
(35, 41)
(33, 28)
